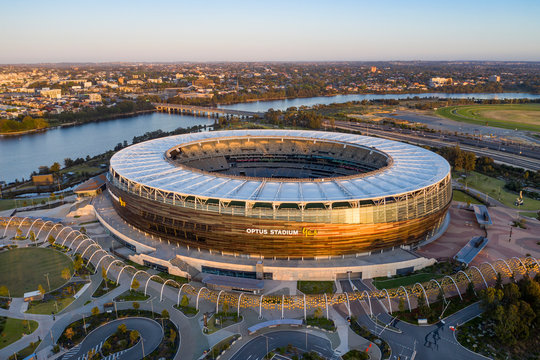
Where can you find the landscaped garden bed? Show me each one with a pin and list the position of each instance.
(366, 334)
(132, 295)
(122, 339)
(316, 287)
(57, 300)
(321, 322)
(104, 287)
(221, 320)
(75, 332)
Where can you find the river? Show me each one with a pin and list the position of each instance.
(21, 155)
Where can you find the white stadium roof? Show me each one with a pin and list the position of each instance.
(413, 168)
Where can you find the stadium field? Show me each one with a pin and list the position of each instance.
(508, 116)
(22, 270)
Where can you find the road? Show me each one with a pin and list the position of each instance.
(257, 348)
(419, 138)
(150, 331)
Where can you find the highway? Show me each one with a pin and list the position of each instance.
(419, 138)
(256, 349)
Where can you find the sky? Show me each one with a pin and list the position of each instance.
(203, 30)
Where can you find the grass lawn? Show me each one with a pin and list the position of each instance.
(12, 330)
(508, 116)
(495, 188)
(6, 204)
(533, 215)
(22, 270)
(408, 280)
(189, 311)
(178, 279)
(223, 320)
(316, 287)
(464, 197)
(48, 307)
(132, 296)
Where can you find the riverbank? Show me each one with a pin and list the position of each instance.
(71, 124)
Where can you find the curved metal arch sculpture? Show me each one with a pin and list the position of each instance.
(134, 275)
(439, 285)
(198, 294)
(7, 225)
(82, 242)
(238, 304)
(50, 230)
(41, 228)
(407, 295)
(61, 231)
(521, 262)
(101, 259)
(75, 239)
(96, 252)
(89, 247)
(180, 292)
(112, 262)
(30, 228)
(369, 301)
(162, 287)
(148, 280)
(217, 301)
(508, 266)
(482, 275)
(22, 222)
(349, 304)
(424, 290)
(65, 238)
(492, 268)
(455, 284)
(388, 297)
(260, 306)
(533, 259)
(120, 273)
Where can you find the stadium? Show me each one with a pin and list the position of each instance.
(281, 194)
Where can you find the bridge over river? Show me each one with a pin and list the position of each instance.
(204, 111)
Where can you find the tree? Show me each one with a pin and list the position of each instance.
(136, 306)
(32, 236)
(55, 167)
(78, 263)
(165, 314)
(82, 230)
(498, 283)
(4, 291)
(107, 346)
(95, 310)
(469, 292)
(185, 301)
(133, 336)
(135, 284)
(401, 304)
(317, 313)
(172, 335)
(51, 239)
(69, 333)
(225, 307)
(122, 328)
(66, 274)
(41, 289)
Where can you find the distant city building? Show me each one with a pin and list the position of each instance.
(179, 76)
(439, 81)
(373, 69)
(121, 80)
(494, 78)
(94, 97)
(155, 81)
(52, 93)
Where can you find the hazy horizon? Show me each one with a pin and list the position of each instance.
(35, 32)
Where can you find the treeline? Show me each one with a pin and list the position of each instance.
(512, 311)
(27, 123)
(102, 112)
(294, 118)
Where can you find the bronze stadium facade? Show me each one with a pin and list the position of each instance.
(281, 193)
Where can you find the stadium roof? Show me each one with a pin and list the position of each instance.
(413, 168)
